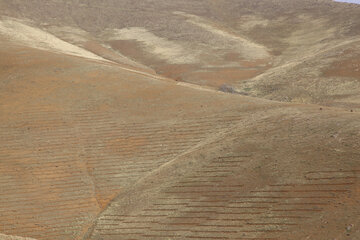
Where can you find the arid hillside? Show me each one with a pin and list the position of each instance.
(284, 50)
(190, 120)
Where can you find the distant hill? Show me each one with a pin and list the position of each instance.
(293, 51)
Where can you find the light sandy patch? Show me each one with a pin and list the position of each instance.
(247, 48)
(248, 22)
(37, 38)
(164, 49)
(8, 237)
(87, 42)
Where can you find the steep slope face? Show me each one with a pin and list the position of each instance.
(33, 37)
(273, 49)
(328, 77)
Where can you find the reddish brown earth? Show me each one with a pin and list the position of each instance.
(140, 144)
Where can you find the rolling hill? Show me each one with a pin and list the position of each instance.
(179, 120)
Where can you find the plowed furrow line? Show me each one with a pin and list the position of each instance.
(36, 197)
(44, 189)
(61, 209)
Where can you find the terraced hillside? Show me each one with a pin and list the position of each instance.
(99, 142)
(250, 184)
(81, 141)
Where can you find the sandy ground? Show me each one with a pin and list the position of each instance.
(162, 48)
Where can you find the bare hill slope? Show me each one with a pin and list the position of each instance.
(76, 134)
(99, 142)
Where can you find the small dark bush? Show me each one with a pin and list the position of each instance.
(227, 89)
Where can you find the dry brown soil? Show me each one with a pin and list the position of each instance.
(112, 126)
